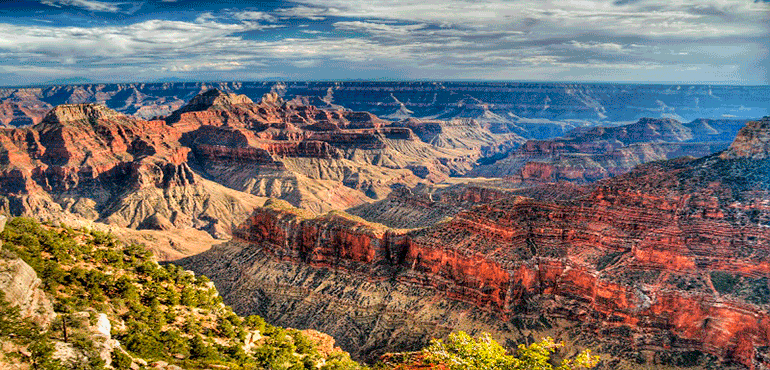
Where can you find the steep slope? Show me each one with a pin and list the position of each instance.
(426, 206)
(101, 303)
(316, 159)
(666, 264)
(587, 155)
(88, 162)
(207, 165)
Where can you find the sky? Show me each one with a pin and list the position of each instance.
(640, 41)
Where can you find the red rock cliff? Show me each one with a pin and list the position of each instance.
(672, 258)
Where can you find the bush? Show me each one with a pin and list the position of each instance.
(724, 282)
(120, 360)
(462, 352)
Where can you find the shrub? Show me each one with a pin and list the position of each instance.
(462, 352)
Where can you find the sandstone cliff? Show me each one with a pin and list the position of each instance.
(317, 159)
(753, 141)
(666, 264)
(89, 162)
(211, 162)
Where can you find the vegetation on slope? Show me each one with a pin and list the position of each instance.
(157, 313)
(164, 317)
(462, 352)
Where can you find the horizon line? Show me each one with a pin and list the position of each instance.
(643, 83)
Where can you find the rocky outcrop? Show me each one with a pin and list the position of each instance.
(89, 162)
(590, 154)
(219, 108)
(416, 208)
(22, 287)
(666, 264)
(297, 152)
(753, 141)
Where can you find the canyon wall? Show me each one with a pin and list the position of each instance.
(667, 264)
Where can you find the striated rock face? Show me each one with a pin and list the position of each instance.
(414, 208)
(590, 154)
(218, 108)
(209, 163)
(317, 159)
(667, 264)
(89, 162)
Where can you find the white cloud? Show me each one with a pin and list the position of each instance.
(606, 46)
(91, 5)
(207, 66)
(681, 18)
(254, 16)
(410, 38)
(378, 28)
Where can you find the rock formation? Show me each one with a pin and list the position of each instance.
(316, 159)
(666, 264)
(753, 141)
(589, 154)
(21, 287)
(88, 162)
(210, 163)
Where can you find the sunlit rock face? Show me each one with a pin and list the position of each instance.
(666, 264)
(319, 159)
(753, 141)
(210, 162)
(88, 162)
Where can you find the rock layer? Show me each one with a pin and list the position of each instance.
(316, 159)
(666, 264)
(89, 162)
(589, 154)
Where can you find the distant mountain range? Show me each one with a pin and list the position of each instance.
(532, 110)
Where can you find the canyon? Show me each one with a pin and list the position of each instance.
(210, 163)
(387, 222)
(666, 264)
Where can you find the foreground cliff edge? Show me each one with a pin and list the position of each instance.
(667, 264)
(79, 299)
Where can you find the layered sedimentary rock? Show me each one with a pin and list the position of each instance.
(426, 206)
(753, 141)
(316, 159)
(85, 161)
(207, 165)
(217, 108)
(667, 264)
(590, 154)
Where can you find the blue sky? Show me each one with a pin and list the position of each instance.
(656, 41)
